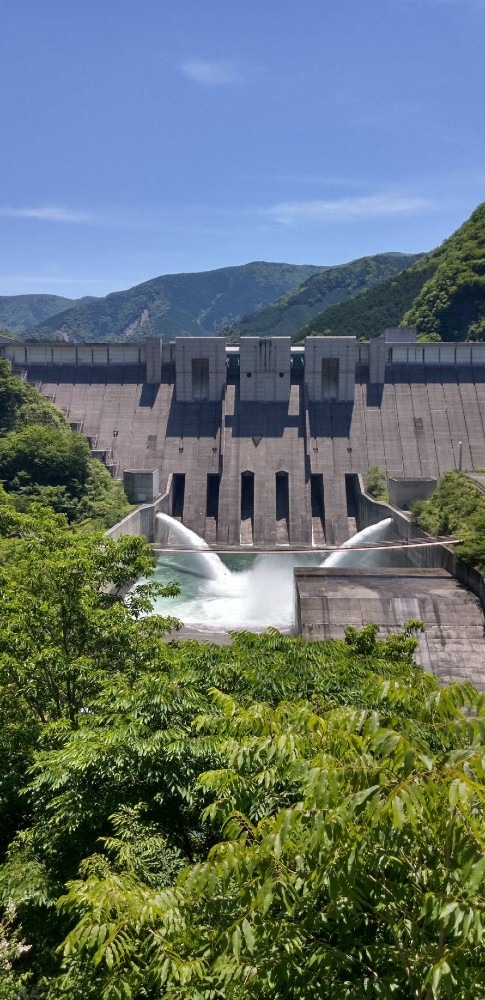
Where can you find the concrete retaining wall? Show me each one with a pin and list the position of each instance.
(404, 492)
(141, 485)
(142, 521)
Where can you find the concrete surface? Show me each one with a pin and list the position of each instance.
(410, 426)
(453, 644)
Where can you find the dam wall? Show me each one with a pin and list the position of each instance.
(262, 441)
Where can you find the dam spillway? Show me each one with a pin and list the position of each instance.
(452, 645)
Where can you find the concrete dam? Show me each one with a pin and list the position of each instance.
(259, 444)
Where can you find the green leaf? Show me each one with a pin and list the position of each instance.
(248, 935)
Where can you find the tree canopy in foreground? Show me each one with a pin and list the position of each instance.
(273, 819)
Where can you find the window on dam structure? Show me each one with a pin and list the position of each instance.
(282, 508)
(213, 487)
(330, 373)
(200, 378)
(178, 494)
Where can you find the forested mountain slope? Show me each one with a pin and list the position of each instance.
(335, 284)
(443, 294)
(177, 304)
(20, 313)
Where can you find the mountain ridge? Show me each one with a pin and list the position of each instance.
(442, 294)
(21, 313)
(192, 304)
(334, 284)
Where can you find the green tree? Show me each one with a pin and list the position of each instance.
(376, 483)
(350, 862)
(21, 404)
(43, 456)
(63, 622)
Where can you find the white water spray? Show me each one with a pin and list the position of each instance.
(374, 533)
(208, 563)
(257, 591)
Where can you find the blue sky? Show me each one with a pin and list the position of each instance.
(142, 137)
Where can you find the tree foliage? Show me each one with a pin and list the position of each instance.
(376, 483)
(457, 507)
(272, 818)
(451, 303)
(442, 294)
(43, 461)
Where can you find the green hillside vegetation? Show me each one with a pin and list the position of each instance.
(178, 304)
(443, 294)
(43, 461)
(335, 284)
(367, 315)
(19, 314)
(451, 302)
(270, 819)
(457, 507)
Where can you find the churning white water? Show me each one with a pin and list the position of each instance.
(242, 591)
(258, 591)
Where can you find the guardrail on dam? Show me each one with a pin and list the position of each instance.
(246, 472)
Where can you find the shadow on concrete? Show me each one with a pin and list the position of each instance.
(330, 419)
(86, 374)
(374, 394)
(264, 420)
(148, 396)
(435, 374)
(194, 420)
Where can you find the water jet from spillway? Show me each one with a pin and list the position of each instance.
(207, 563)
(368, 536)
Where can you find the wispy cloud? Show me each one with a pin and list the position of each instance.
(214, 72)
(376, 206)
(48, 213)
